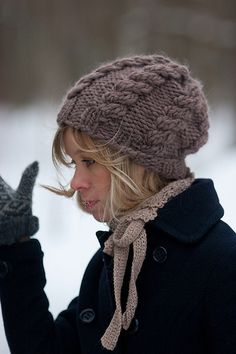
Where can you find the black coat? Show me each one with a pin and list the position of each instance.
(186, 289)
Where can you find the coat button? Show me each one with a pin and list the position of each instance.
(87, 315)
(4, 269)
(160, 254)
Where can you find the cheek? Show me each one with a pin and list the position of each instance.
(108, 184)
(104, 181)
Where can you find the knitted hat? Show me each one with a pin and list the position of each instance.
(148, 107)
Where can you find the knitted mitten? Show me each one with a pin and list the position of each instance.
(16, 219)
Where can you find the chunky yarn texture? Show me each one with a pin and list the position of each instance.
(147, 107)
(127, 231)
(16, 219)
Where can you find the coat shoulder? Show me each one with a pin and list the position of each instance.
(222, 237)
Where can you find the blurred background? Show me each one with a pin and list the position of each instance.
(46, 45)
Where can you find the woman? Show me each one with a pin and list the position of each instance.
(164, 278)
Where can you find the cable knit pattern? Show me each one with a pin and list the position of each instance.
(127, 231)
(148, 107)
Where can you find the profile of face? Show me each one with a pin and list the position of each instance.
(91, 180)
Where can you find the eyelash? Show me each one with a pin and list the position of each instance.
(88, 162)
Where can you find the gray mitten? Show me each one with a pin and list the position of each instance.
(16, 219)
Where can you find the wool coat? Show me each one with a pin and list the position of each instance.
(186, 289)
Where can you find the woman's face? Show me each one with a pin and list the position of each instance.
(90, 179)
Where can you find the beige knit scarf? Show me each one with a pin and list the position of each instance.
(129, 230)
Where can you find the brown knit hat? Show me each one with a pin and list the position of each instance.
(148, 107)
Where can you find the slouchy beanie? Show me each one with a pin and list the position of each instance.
(148, 107)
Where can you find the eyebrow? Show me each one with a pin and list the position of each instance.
(82, 153)
(78, 151)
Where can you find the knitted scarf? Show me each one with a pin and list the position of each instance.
(129, 230)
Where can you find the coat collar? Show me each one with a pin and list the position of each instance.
(189, 215)
(186, 217)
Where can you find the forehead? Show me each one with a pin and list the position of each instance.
(69, 142)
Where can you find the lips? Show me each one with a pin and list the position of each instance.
(89, 204)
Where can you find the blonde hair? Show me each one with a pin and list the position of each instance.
(131, 183)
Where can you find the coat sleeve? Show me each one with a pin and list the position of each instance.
(29, 326)
(221, 304)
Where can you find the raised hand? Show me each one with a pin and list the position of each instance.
(16, 219)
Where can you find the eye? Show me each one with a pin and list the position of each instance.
(88, 162)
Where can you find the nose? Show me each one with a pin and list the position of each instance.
(79, 181)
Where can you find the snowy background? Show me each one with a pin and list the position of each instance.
(66, 234)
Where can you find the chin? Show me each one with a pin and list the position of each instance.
(101, 217)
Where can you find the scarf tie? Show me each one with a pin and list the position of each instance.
(129, 230)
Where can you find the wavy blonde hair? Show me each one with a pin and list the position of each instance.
(131, 183)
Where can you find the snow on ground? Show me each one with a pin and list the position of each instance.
(66, 234)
